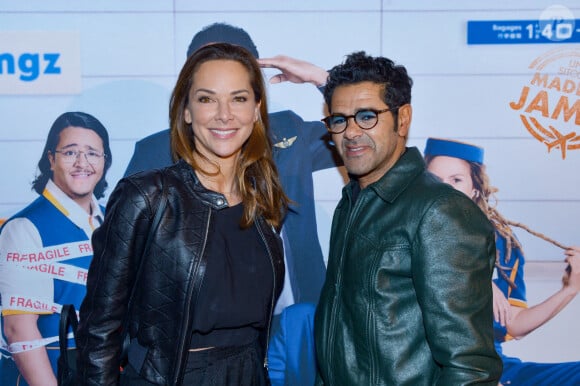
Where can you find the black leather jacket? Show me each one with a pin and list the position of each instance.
(160, 316)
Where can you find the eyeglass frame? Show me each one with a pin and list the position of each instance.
(347, 118)
(102, 155)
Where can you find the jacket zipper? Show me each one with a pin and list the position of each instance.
(180, 359)
(351, 216)
(273, 293)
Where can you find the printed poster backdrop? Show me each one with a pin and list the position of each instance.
(518, 100)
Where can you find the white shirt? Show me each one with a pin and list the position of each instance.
(287, 296)
(20, 234)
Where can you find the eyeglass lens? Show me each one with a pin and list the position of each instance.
(366, 119)
(70, 156)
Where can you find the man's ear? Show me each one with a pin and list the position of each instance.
(404, 117)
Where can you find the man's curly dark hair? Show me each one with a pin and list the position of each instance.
(360, 67)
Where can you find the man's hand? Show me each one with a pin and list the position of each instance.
(294, 70)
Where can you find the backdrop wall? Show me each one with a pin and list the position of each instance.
(131, 51)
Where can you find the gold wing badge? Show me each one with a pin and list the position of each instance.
(552, 138)
(285, 142)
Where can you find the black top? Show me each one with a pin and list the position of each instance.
(237, 286)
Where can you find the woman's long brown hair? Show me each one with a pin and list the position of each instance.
(257, 177)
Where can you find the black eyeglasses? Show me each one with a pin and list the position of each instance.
(366, 119)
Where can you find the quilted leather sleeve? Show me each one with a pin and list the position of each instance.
(116, 244)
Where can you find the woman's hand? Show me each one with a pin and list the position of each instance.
(572, 277)
(501, 306)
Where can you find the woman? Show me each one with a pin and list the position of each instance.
(461, 165)
(196, 295)
(45, 248)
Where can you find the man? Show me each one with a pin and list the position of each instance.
(45, 249)
(407, 298)
(300, 148)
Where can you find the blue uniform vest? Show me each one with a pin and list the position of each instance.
(54, 228)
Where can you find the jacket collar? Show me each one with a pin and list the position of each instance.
(188, 176)
(396, 179)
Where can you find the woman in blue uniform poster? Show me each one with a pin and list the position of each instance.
(461, 165)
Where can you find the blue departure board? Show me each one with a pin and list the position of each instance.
(523, 31)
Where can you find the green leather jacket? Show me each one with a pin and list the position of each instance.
(407, 298)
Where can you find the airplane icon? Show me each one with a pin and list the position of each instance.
(552, 138)
(561, 140)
